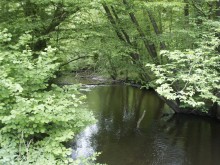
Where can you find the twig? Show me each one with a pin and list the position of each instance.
(139, 121)
(74, 60)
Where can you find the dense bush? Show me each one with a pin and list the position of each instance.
(192, 76)
(35, 119)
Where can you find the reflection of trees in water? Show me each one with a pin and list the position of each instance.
(162, 140)
(199, 138)
(120, 109)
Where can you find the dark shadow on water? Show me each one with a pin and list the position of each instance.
(160, 139)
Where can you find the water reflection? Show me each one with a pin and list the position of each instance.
(159, 140)
(197, 137)
(84, 146)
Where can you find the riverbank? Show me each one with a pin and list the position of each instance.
(89, 78)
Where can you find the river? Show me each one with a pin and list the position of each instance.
(134, 127)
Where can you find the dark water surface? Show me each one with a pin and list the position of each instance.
(159, 140)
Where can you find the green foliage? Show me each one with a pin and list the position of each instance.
(37, 155)
(128, 34)
(109, 36)
(192, 76)
(32, 113)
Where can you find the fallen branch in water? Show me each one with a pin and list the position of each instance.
(139, 121)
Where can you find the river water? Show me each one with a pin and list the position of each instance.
(135, 127)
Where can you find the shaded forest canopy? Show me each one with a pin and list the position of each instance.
(171, 46)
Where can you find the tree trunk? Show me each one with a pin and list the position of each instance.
(156, 28)
(151, 48)
(218, 9)
(186, 11)
(113, 22)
